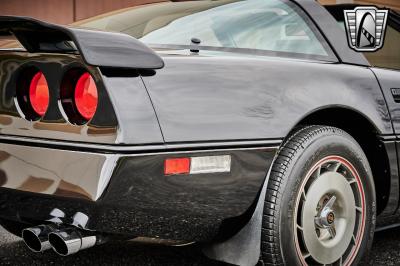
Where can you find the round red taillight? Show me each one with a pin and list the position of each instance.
(85, 96)
(39, 94)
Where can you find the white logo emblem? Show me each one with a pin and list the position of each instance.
(366, 27)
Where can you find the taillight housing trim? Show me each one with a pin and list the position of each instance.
(79, 99)
(32, 97)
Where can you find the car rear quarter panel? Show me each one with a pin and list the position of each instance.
(229, 98)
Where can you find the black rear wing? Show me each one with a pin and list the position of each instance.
(97, 48)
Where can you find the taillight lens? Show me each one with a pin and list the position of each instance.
(39, 94)
(78, 96)
(32, 93)
(85, 96)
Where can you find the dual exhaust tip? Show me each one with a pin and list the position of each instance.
(64, 241)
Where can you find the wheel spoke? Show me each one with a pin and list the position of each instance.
(324, 235)
(359, 209)
(304, 195)
(332, 230)
(330, 202)
(337, 166)
(317, 172)
(352, 181)
(299, 227)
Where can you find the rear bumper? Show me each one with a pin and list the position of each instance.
(128, 193)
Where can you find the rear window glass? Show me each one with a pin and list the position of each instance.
(273, 25)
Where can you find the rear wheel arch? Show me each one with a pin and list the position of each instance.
(305, 148)
(365, 133)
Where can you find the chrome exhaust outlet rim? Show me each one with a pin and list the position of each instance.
(36, 238)
(69, 241)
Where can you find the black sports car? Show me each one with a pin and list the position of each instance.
(250, 127)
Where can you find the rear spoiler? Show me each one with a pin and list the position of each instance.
(97, 48)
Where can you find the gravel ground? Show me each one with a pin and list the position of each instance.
(13, 252)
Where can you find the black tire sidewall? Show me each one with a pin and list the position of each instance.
(317, 148)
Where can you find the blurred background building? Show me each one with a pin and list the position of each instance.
(395, 4)
(65, 11)
(68, 11)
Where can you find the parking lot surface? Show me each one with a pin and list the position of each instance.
(386, 251)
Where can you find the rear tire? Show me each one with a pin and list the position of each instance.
(320, 205)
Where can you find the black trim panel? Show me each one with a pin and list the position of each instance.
(332, 32)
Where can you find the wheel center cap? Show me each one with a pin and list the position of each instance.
(331, 217)
(325, 219)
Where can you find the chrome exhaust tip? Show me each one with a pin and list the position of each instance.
(36, 238)
(69, 241)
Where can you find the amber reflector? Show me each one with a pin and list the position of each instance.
(177, 166)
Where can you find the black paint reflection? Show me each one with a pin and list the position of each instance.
(138, 200)
(226, 96)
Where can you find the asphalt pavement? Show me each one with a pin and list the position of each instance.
(385, 251)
